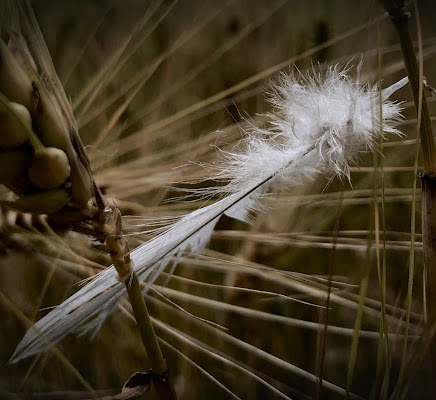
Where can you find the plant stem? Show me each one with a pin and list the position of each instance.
(401, 23)
(428, 187)
(400, 19)
(161, 379)
(109, 225)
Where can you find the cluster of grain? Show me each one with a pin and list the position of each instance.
(41, 157)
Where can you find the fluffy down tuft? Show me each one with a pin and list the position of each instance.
(327, 113)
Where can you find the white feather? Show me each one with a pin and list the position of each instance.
(321, 123)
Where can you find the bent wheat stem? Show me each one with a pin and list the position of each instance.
(160, 372)
(108, 226)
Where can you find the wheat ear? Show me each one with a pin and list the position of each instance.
(40, 136)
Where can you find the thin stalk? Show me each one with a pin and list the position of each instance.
(383, 346)
(385, 383)
(322, 334)
(161, 379)
(400, 19)
(411, 268)
(109, 226)
(360, 311)
(383, 283)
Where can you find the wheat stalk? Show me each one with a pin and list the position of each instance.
(38, 122)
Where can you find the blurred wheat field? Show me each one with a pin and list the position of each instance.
(156, 88)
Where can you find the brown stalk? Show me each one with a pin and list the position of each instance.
(400, 19)
(108, 227)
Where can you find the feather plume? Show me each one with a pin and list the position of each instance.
(320, 124)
